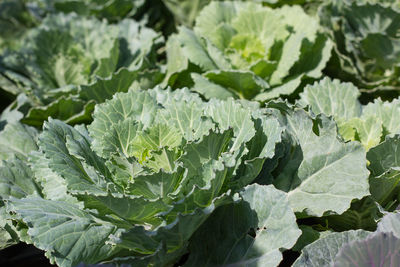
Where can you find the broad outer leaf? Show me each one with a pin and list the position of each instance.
(323, 251)
(104, 88)
(224, 239)
(209, 89)
(195, 49)
(64, 108)
(68, 234)
(330, 173)
(356, 248)
(379, 249)
(243, 84)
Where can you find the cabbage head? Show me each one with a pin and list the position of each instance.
(245, 50)
(63, 62)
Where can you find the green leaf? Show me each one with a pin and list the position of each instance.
(386, 112)
(103, 89)
(369, 131)
(209, 89)
(186, 116)
(366, 124)
(154, 138)
(311, 178)
(314, 57)
(209, 147)
(287, 88)
(175, 234)
(164, 159)
(195, 49)
(64, 108)
(332, 97)
(121, 81)
(69, 62)
(378, 249)
(185, 11)
(64, 231)
(390, 224)
(248, 232)
(308, 235)
(118, 140)
(230, 114)
(136, 105)
(7, 235)
(362, 214)
(56, 141)
(260, 148)
(53, 185)
(110, 10)
(109, 65)
(176, 61)
(323, 251)
(17, 139)
(289, 55)
(385, 172)
(16, 180)
(244, 84)
(136, 209)
(201, 188)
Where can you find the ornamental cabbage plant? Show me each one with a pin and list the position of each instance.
(245, 50)
(68, 58)
(149, 170)
(159, 174)
(16, 17)
(376, 126)
(367, 44)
